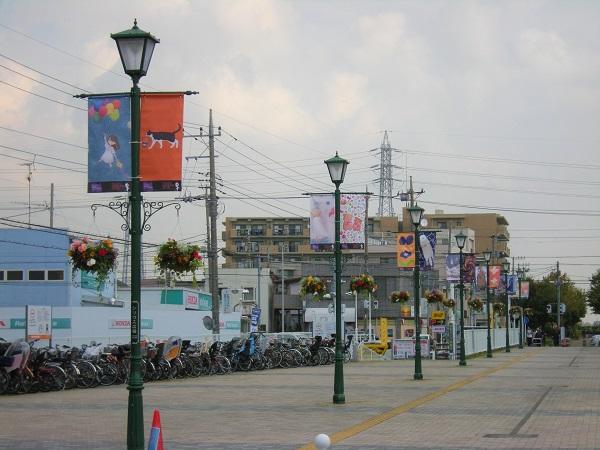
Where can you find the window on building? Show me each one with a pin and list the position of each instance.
(14, 275)
(257, 230)
(293, 246)
(278, 230)
(56, 275)
(387, 260)
(241, 230)
(240, 246)
(1, 275)
(459, 223)
(295, 230)
(442, 225)
(37, 275)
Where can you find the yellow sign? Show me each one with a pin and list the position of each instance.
(438, 315)
(383, 334)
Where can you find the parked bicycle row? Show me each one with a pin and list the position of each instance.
(25, 368)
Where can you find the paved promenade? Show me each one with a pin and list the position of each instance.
(536, 398)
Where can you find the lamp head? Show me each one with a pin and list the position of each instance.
(461, 239)
(416, 214)
(487, 255)
(135, 49)
(506, 266)
(337, 169)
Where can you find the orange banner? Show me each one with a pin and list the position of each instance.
(161, 137)
(405, 249)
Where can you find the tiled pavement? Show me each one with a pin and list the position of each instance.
(545, 398)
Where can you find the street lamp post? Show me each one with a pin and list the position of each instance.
(135, 49)
(416, 213)
(488, 256)
(461, 238)
(506, 269)
(337, 170)
(520, 274)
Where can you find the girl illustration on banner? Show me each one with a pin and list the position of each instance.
(109, 157)
(109, 148)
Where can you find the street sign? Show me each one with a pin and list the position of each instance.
(563, 308)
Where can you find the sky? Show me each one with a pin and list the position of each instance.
(492, 106)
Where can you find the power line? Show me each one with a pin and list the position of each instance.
(41, 96)
(34, 79)
(42, 137)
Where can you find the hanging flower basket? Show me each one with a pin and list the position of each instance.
(515, 312)
(312, 285)
(178, 259)
(499, 308)
(449, 303)
(97, 257)
(528, 311)
(434, 296)
(363, 283)
(399, 296)
(475, 304)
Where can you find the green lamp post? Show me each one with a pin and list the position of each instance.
(337, 171)
(135, 48)
(416, 214)
(461, 239)
(505, 270)
(520, 274)
(488, 257)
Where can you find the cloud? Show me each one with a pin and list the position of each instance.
(545, 51)
(14, 111)
(265, 103)
(345, 96)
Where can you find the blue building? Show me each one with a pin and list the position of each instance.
(35, 270)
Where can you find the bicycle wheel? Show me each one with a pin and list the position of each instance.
(88, 376)
(323, 356)
(3, 382)
(223, 364)
(107, 373)
(72, 373)
(51, 378)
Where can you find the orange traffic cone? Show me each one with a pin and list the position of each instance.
(156, 440)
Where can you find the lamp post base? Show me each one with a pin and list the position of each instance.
(418, 376)
(488, 355)
(507, 350)
(339, 399)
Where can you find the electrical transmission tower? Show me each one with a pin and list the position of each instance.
(386, 178)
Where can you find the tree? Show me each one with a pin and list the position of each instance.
(593, 295)
(543, 293)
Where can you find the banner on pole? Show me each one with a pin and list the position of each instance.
(452, 267)
(353, 209)
(405, 250)
(468, 268)
(161, 130)
(427, 241)
(109, 148)
(524, 290)
(494, 277)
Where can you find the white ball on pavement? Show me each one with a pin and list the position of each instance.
(322, 442)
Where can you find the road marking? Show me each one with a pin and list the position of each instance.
(376, 420)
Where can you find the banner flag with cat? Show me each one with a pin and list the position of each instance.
(109, 149)
(161, 140)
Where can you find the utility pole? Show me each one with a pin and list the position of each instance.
(51, 205)
(29, 177)
(211, 203)
(282, 294)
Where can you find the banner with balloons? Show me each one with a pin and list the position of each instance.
(161, 130)
(109, 149)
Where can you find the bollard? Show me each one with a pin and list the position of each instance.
(322, 442)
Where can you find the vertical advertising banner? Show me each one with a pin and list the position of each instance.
(452, 267)
(481, 277)
(254, 319)
(469, 264)
(109, 148)
(352, 221)
(161, 130)
(322, 221)
(494, 277)
(405, 250)
(524, 290)
(353, 210)
(427, 241)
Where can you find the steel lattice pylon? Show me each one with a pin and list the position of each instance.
(386, 179)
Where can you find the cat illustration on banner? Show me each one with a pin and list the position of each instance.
(161, 136)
